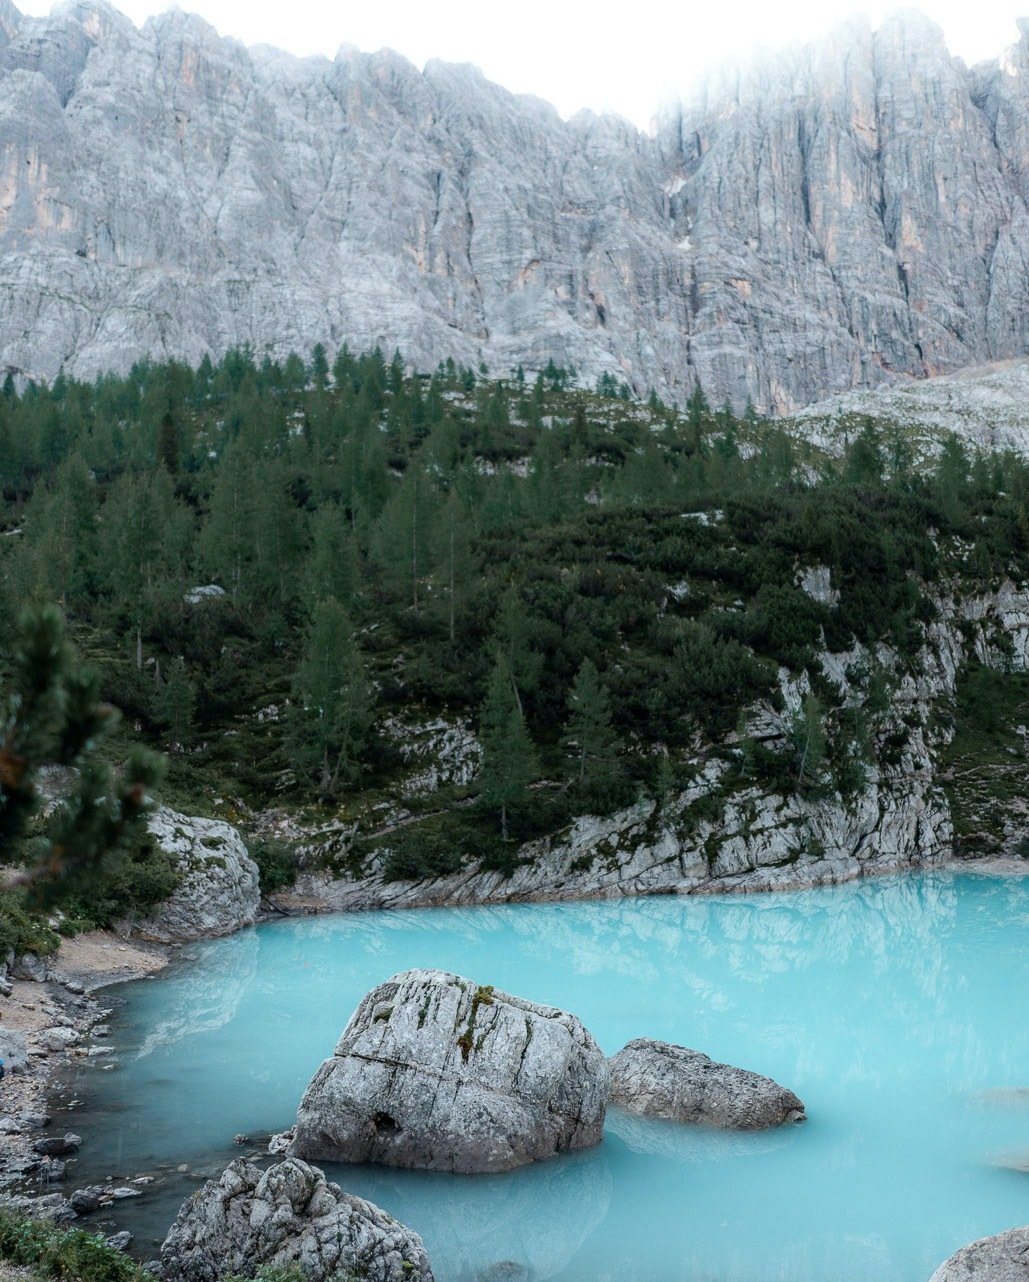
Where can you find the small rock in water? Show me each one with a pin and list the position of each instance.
(52, 1207)
(280, 1143)
(58, 1145)
(53, 1171)
(1014, 1162)
(183, 1168)
(241, 1139)
(102, 1030)
(143, 1179)
(123, 1191)
(120, 1241)
(88, 1199)
(34, 1121)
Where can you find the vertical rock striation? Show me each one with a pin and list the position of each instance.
(436, 1073)
(840, 215)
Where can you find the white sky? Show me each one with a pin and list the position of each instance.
(574, 53)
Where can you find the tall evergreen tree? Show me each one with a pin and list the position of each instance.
(331, 712)
(509, 761)
(588, 735)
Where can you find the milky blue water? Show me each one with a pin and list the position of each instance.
(897, 1009)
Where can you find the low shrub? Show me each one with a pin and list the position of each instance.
(69, 1255)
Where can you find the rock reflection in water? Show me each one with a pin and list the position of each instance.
(528, 1224)
(204, 993)
(890, 1007)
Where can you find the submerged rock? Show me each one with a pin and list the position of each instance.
(58, 1145)
(219, 891)
(287, 1216)
(658, 1079)
(437, 1073)
(1004, 1258)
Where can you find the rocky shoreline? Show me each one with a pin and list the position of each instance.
(318, 893)
(55, 1013)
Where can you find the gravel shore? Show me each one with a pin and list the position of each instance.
(60, 1019)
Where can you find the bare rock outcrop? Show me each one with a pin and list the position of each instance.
(437, 1073)
(853, 212)
(287, 1216)
(1004, 1258)
(219, 892)
(659, 1079)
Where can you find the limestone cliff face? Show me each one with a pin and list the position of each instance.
(842, 215)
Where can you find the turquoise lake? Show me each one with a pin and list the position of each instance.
(897, 1009)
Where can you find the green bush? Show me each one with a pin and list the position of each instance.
(21, 930)
(65, 1254)
(276, 863)
(430, 849)
(127, 882)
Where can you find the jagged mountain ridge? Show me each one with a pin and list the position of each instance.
(847, 214)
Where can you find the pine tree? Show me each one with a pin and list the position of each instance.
(453, 560)
(403, 536)
(332, 567)
(176, 703)
(509, 761)
(331, 712)
(53, 715)
(588, 734)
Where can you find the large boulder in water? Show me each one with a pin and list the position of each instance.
(658, 1079)
(219, 892)
(438, 1073)
(287, 1216)
(1004, 1258)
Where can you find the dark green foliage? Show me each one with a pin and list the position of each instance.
(276, 863)
(439, 846)
(509, 761)
(66, 1255)
(23, 930)
(53, 716)
(378, 530)
(589, 738)
(332, 709)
